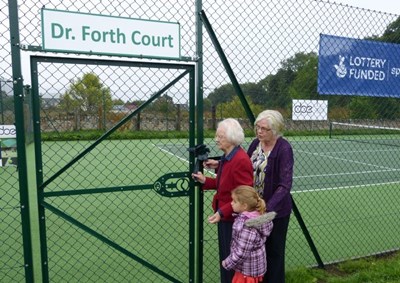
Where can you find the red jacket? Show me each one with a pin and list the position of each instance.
(236, 169)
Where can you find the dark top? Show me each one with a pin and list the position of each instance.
(278, 177)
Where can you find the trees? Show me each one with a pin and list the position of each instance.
(233, 108)
(222, 94)
(6, 105)
(277, 88)
(304, 85)
(392, 32)
(7, 102)
(163, 104)
(87, 95)
(255, 92)
(225, 94)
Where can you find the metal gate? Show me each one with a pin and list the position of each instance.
(111, 208)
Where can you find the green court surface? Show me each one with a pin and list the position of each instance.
(358, 181)
(347, 194)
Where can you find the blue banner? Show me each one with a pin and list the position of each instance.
(349, 66)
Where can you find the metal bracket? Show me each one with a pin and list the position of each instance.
(173, 184)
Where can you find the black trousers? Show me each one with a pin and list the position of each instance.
(275, 247)
(224, 244)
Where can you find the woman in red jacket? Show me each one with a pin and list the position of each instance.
(234, 169)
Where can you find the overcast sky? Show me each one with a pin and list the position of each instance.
(389, 6)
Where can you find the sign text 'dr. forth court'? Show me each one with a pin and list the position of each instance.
(98, 34)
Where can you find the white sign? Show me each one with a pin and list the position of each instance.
(310, 109)
(7, 131)
(64, 31)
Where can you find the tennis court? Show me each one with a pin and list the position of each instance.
(325, 164)
(340, 188)
(338, 185)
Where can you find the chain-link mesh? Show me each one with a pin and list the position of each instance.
(346, 192)
(11, 259)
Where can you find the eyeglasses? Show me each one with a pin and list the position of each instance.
(262, 129)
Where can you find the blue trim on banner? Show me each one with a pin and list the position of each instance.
(349, 66)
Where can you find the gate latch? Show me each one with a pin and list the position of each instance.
(173, 184)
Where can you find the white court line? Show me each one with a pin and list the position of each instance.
(299, 177)
(358, 151)
(170, 153)
(346, 173)
(344, 187)
(180, 158)
(329, 141)
(347, 160)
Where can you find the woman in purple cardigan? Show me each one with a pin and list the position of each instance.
(272, 158)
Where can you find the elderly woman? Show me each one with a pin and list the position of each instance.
(233, 169)
(272, 159)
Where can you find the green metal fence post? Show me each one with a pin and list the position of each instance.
(227, 66)
(200, 137)
(194, 194)
(307, 235)
(20, 129)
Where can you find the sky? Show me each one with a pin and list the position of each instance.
(389, 6)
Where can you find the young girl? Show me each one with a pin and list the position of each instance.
(249, 233)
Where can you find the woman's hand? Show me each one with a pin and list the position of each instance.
(211, 164)
(199, 177)
(214, 218)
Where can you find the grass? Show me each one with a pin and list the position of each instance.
(375, 269)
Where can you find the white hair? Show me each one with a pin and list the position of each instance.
(233, 131)
(274, 119)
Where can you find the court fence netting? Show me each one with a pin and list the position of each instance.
(89, 190)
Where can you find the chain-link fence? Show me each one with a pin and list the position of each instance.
(111, 155)
(273, 47)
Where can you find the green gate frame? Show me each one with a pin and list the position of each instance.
(159, 185)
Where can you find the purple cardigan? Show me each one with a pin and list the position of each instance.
(278, 177)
